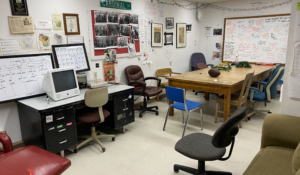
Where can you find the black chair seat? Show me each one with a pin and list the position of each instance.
(199, 146)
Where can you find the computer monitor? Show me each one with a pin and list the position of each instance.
(71, 55)
(61, 83)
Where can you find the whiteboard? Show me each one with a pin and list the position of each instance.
(21, 76)
(256, 39)
(71, 55)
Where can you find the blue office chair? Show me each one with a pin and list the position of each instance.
(178, 96)
(269, 93)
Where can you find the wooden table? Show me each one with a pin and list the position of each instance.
(227, 83)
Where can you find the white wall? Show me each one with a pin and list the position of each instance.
(215, 18)
(290, 106)
(42, 9)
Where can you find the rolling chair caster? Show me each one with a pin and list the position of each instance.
(75, 150)
(103, 149)
(113, 139)
(156, 113)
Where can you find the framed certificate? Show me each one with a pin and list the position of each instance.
(19, 7)
(71, 23)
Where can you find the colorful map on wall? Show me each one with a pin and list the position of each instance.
(262, 39)
(43, 41)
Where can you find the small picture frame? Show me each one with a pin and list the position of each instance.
(168, 38)
(19, 7)
(169, 23)
(71, 24)
(156, 35)
(180, 35)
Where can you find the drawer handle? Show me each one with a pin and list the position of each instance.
(63, 141)
(125, 99)
(125, 109)
(60, 118)
(62, 130)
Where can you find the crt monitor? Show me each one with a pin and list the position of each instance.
(68, 55)
(61, 83)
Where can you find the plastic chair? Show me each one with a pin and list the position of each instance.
(178, 96)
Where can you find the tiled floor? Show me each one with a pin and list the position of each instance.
(146, 149)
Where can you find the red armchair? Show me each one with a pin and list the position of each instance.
(29, 160)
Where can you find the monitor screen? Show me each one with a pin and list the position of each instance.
(64, 80)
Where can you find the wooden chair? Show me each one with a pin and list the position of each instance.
(236, 100)
(166, 72)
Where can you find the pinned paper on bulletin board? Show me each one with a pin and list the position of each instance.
(109, 72)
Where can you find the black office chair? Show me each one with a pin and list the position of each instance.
(203, 147)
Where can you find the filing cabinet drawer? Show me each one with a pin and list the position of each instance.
(53, 131)
(62, 142)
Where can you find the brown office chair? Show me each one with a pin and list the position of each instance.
(94, 99)
(166, 72)
(135, 77)
(237, 100)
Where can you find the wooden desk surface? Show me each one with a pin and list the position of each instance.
(226, 79)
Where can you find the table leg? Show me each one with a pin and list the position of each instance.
(227, 99)
(206, 96)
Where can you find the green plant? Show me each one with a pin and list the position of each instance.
(243, 64)
(225, 67)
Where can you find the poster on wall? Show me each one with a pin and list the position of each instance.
(218, 32)
(57, 38)
(27, 43)
(20, 25)
(57, 22)
(109, 72)
(180, 35)
(43, 41)
(156, 35)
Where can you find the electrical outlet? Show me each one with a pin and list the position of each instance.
(3, 131)
(95, 75)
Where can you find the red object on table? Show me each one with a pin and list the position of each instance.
(264, 64)
(29, 160)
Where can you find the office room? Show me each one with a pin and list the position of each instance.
(156, 87)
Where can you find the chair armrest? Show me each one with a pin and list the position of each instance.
(281, 130)
(176, 73)
(254, 89)
(6, 142)
(261, 82)
(154, 78)
(210, 65)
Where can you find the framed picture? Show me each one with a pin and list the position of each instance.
(168, 38)
(71, 23)
(156, 35)
(180, 35)
(188, 27)
(19, 7)
(169, 23)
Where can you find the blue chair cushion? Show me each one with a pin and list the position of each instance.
(190, 105)
(260, 96)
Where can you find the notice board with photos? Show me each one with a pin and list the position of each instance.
(113, 29)
(256, 39)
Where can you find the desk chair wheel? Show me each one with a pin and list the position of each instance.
(269, 112)
(156, 113)
(103, 149)
(113, 139)
(75, 150)
(140, 115)
(156, 107)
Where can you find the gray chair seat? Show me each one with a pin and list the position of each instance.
(199, 146)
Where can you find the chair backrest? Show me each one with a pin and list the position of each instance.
(246, 87)
(229, 129)
(176, 95)
(197, 58)
(134, 73)
(271, 73)
(164, 71)
(96, 98)
(271, 87)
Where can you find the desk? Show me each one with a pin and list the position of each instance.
(53, 126)
(227, 83)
